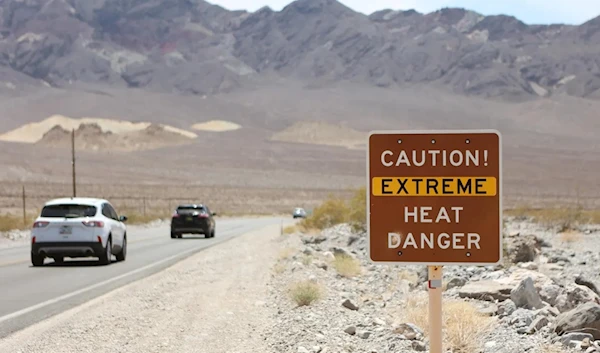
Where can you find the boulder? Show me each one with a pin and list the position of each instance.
(525, 295)
(583, 319)
(486, 290)
(573, 295)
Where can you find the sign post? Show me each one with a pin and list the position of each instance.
(434, 198)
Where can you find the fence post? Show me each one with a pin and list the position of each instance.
(24, 208)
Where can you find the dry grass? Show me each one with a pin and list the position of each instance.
(570, 237)
(291, 229)
(10, 222)
(305, 293)
(564, 218)
(464, 327)
(347, 266)
(306, 260)
(286, 253)
(279, 268)
(409, 276)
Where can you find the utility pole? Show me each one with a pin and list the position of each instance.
(73, 161)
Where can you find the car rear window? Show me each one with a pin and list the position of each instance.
(190, 209)
(68, 211)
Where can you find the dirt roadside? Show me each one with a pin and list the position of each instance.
(210, 302)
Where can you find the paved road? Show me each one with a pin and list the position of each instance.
(30, 294)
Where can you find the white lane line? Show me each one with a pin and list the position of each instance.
(108, 281)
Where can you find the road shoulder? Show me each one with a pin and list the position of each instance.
(210, 302)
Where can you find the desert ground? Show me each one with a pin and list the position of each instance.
(261, 150)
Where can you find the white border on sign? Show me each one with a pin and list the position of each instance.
(415, 132)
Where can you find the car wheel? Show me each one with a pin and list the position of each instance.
(59, 260)
(37, 260)
(212, 234)
(123, 254)
(107, 256)
(173, 235)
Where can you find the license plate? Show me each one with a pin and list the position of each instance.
(65, 230)
(189, 219)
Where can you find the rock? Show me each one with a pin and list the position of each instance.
(337, 251)
(314, 239)
(580, 280)
(506, 308)
(486, 290)
(525, 295)
(521, 318)
(378, 322)
(348, 304)
(363, 334)
(409, 331)
(418, 346)
(456, 282)
(490, 344)
(307, 251)
(538, 324)
(573, 295)
(585, 318)
(322, 265)
(352, 239)
(571, 339)
(328, 255)
(351, 330)
(489, 310)
(302, 350)
(522, 248)
(586, 343)
(529, 266)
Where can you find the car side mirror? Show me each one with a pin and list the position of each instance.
(123, 218)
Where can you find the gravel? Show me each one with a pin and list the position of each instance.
(546, 278)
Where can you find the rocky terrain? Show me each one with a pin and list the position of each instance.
(544, 298)
(194, 47)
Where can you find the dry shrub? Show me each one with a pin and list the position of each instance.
(570, 237)
(305, 292)
(334, 211)
(286, 253)
(566, 219)
(410, 276)
(279, 268)
(346, 266)
(464, 328)
(291, 229)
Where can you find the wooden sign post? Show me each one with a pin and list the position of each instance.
(434, 199)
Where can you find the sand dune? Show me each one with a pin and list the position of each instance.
(216, 126)
(322, 133)
(91, 137)
(34, 132)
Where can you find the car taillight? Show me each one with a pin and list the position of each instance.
(93, 224)
(32, 240)
(40, 224)
(99, 239)
(202, 215)
(175, 215)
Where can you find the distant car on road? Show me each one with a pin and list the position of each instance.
(299, 213)
(78, 227)
(193, 219)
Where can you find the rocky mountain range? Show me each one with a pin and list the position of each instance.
(194, 47)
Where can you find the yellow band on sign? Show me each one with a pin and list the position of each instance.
(434, 186)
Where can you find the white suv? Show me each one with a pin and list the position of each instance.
(78, 227)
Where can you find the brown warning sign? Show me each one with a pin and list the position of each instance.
(434, 197)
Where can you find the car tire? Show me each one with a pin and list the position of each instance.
(212, 234)
(106, 257)
(174, 236)
(37, 260)
(123, 253)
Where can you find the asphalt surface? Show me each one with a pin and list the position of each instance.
(31, 294)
